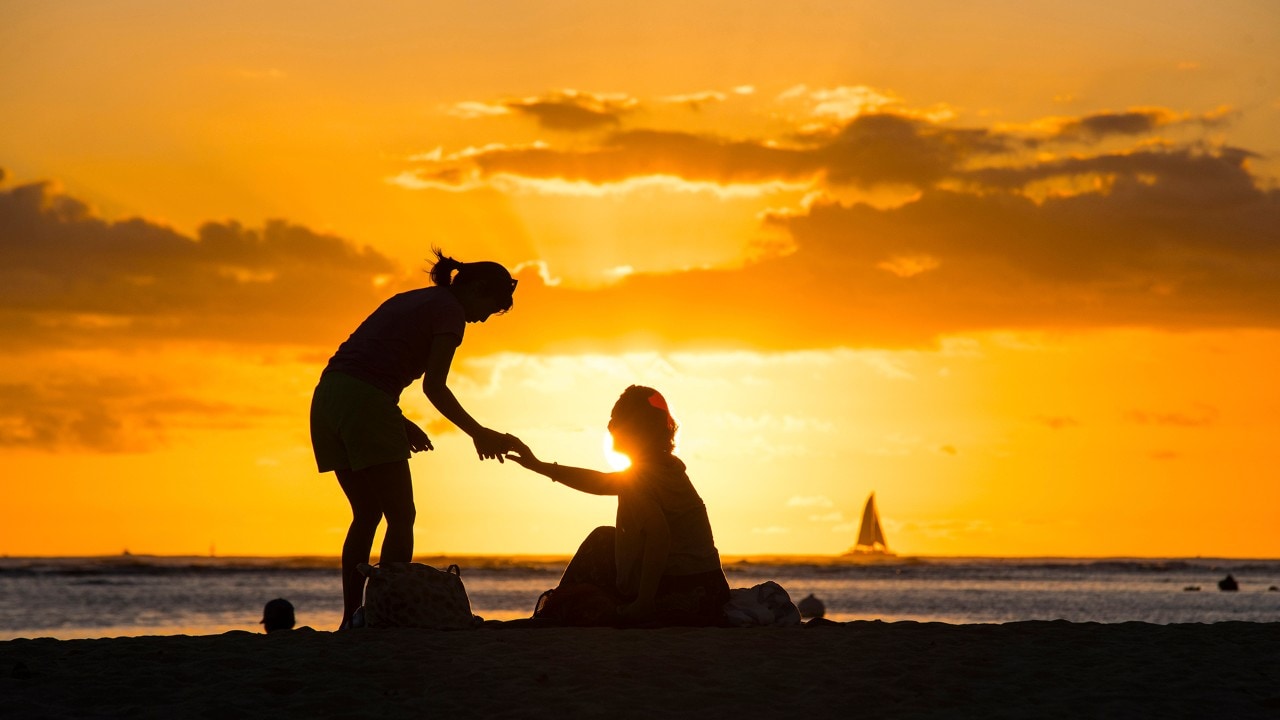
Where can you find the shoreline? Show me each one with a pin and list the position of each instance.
(902, 669)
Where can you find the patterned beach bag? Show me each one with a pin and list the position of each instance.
(416, 596)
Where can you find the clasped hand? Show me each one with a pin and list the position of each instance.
(491, 444)
(519, 453)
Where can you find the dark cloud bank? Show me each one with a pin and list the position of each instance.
(1096, 221)
(1162, 235)
(68, 277)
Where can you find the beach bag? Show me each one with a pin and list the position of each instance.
(413, 595)
(763, 605)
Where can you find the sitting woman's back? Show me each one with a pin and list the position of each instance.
(664, 482)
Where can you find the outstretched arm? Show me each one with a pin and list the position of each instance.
(489, 443)
(581, 479)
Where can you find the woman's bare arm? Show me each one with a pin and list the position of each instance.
(489, 443)
(580, 479)
(435, 387)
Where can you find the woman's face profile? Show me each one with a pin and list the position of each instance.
(622, 439)
(477, 305)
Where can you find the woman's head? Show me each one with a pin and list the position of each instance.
(642, 423)
(485, 284)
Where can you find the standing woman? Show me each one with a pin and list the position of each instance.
(357, 429)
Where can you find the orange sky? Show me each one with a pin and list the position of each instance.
(1012, 268)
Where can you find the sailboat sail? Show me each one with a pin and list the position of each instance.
(870, 534)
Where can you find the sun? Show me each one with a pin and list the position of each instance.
(615, 459)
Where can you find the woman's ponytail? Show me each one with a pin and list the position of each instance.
(443, 268)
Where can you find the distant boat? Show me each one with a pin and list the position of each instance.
(870, 533)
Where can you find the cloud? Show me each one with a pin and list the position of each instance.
(842, 102)
(847, 137)
(70, 277)
(470, 110)
(628, 154)
(909, 265)
(696, 100)
(1201, 416)
(1197, 175)
(105, 414)
(564, 110)
(1127, 123)
(868, 151)
(1175, 239)
(1100, 125)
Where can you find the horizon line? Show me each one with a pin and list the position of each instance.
(725, 557)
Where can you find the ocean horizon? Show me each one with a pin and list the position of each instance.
(71, 597)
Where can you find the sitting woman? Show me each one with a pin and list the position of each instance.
(659, 564)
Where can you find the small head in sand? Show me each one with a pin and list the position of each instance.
(641, 424)
(277, 615)
(811, 607)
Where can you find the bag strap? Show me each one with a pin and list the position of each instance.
(455, 570)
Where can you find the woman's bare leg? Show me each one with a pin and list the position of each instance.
(375, 492)
(394, 486)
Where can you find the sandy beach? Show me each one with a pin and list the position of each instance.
(857, 669)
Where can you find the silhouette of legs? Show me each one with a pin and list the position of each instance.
(374, 493)
(693, 600)
(594, 562)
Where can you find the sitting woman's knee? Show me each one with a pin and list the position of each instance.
(604, 532)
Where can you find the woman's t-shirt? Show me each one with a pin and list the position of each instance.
(389, 350)
(693, 548)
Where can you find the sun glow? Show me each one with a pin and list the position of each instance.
(616, 460)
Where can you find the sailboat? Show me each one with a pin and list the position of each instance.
(870, 534)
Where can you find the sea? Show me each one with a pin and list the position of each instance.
(131, 595)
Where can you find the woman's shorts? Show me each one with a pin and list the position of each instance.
(354, 425)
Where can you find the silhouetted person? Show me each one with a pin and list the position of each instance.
(357, 429)
(811, 607)
(277, 615)
(659, 563)
(1228, 584)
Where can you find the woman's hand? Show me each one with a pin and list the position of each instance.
(522, 456)
(418, 440)
(491, 444)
